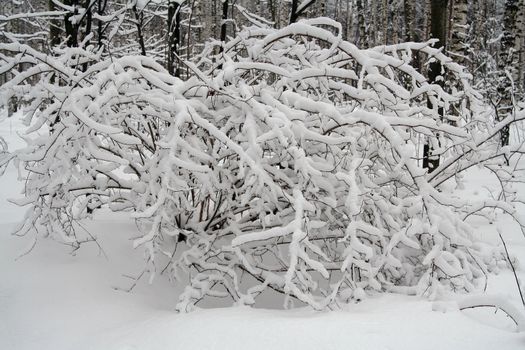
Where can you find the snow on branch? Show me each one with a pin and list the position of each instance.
(289, 162)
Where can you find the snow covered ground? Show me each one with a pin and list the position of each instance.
(50, 299)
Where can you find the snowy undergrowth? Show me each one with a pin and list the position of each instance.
(56, 301)
(288, 163)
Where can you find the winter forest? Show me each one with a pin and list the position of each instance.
(276, 154)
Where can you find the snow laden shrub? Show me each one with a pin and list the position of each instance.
(289, 162)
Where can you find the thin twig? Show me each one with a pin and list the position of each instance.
(494, 306)
(513, 269)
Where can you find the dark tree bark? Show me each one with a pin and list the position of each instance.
(101, 8)
(296, 12)
(224, 18)
(293, 12)
(224, 22)
(139, 18)
(71, 29)
(409, 9)
(347, 25)
(509, 62)
(361, 28)
(173, 37)
(88, 5)
(273, 11)
(54, 28)
(438, 30)
(88, 16)
(458, 28)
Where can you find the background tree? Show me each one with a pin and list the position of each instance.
(173, 23)
(509, 62)
(437, 31)
(298, 8)
(459, 29)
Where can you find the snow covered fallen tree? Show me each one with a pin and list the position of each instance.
(289, 161)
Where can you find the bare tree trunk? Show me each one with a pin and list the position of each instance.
(347, 26)
(438, 30)
(296, 12)
(426, 19)
(273, 11)
(508, 63)
(337, 11)
(384, 21)
(101, 8)
(139, 18)
(71, 28)
(361, 31)
(215, 18)
(376, 29)
(189, 49)
(284, 13)
(224, 22)
(88, 5)
(409, 9)
(459, 30)
(395, 33)
(520, 33)
(54, 28)
(173, 37)
(293, 16)
(208, 20)
(478, 24)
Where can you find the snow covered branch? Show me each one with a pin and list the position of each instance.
(289, 161)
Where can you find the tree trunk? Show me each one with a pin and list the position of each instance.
(426, 18)
(101, 8)
(296, 12)
(71, 28)
(509, 62)
(173, 37)
(385, 13)
(224, 22)
(409, 9)
(377, 29)
(273, 11)
(87, 29)
(459, 30)
(54, 28)
(438, 30)
(361, 31)
(139, 18)
(395, 32)
(520, 33)
(347, 26)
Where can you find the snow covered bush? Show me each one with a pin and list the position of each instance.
(289, 161)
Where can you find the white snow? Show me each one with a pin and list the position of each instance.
(50, 299)
(276, 183)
